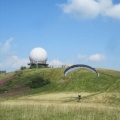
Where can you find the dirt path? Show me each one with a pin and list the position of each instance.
(3, 81)
(14, 91)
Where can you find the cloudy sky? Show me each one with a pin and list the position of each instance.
(71, 31)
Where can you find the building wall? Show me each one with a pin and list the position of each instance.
(38, 66)
(2, 72)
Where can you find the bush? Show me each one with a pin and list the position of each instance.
(3, 89)
(22, 67)
(18, 73)
(38, 81)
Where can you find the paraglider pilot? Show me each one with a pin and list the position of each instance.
(79, 97)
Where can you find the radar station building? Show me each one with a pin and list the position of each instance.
(38, 58)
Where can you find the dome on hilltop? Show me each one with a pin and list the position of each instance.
(38, 55)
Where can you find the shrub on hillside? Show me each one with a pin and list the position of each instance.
(22, 67)
(38, 81)
(3, 89)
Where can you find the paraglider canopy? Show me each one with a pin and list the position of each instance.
(77, 66)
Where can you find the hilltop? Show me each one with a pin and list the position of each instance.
(29, 81)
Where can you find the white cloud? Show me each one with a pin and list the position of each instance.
(55, 63)
(8, 61)
(113, 11)
(14, 62)
(94, 58)
(81, 8)
(91, 8)
(6, 47)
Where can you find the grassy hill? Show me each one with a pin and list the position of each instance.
(46, 94)
(80, 80)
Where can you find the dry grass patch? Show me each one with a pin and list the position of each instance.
(58, 106)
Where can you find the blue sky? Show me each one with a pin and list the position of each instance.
(71, 31)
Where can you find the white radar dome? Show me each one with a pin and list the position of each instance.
(38, 55)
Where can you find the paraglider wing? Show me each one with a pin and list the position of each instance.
(77, 66)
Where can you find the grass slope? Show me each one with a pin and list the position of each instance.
(58, 100)
(80, 80)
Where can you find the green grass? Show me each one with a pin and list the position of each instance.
(32, 112)
(6, 75)
(59, 106)
(79, 80)
(58, 100)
